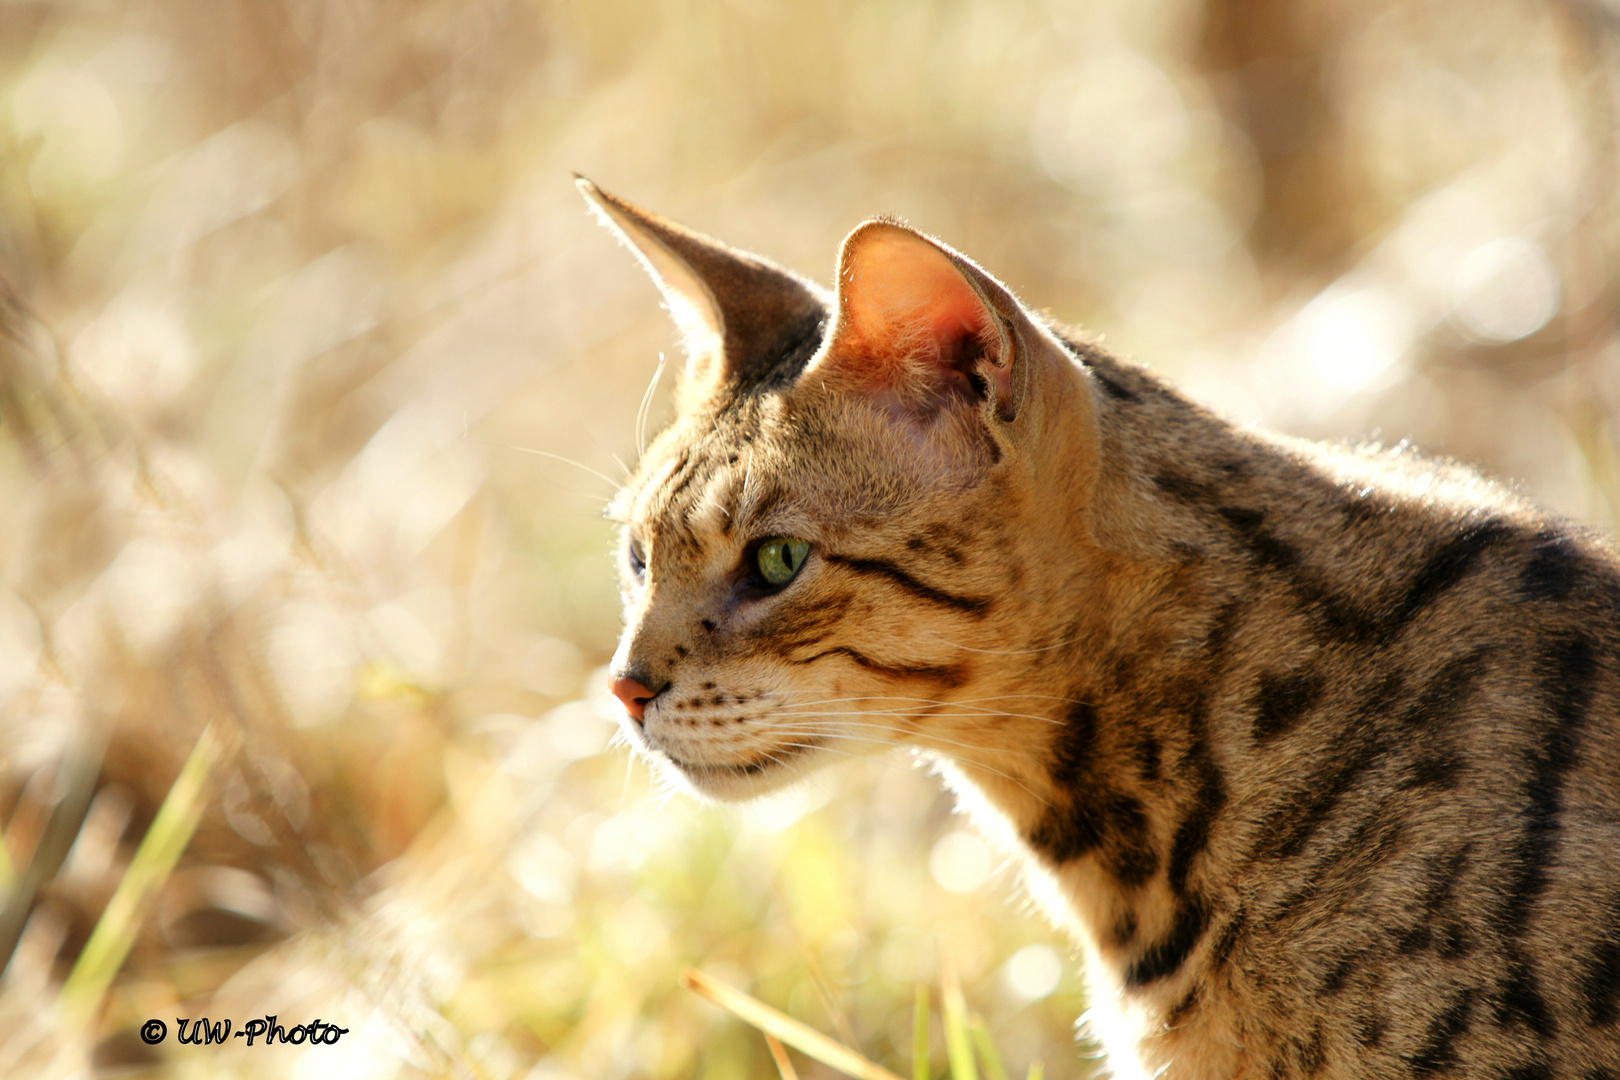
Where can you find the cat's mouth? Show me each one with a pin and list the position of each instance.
(774, 759)
(746, 768)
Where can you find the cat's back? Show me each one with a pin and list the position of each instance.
(1408, 680)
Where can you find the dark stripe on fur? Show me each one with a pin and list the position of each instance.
(1209, 797)
(1567, 671)
(766, 503)
(1439, 1051)
(1434, 769)
(1184, 487)
(1556, 566)
(1070, 752)
(948, 675)
(1182, 1011)
(1288, 828)
(971, 605)
(1282, 702)
(1441, 875)
(1444, 569)
(1222, 949)
(1519, 1000)
(1149, 759)
(1440, 704)
(1269, 549)
(1600, 981)
(1192, 836)
(1070, 831)
(1339, 974)
(1066, 833)
(1338, 617)
(682, 477)
(1091, 815)
(1165, 957)
(1131, 857)
(938, 541)
(1114, 389)
(1311, 1054)
(797, 628)
(1371, 1028)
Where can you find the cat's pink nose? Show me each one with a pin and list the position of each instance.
(633, 695)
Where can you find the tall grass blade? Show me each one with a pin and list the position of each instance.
(919, 1035)
(154, 860)
(987, 1049)
(958, 1043)
(8, 872)
(797, 1035)
(80, 772)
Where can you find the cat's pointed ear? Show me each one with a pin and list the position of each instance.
(922, 324)
(737, 313)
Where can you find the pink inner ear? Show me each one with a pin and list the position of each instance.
(907, 314)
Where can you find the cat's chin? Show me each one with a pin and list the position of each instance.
(739, 782)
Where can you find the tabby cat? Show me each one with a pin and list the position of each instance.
(1314, 750)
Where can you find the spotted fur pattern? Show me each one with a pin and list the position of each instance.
(1314, 750)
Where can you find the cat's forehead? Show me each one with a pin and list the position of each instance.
(792, 464)
(708, 477)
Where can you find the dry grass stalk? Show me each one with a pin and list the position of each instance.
(788, 1030)
(779, 1055)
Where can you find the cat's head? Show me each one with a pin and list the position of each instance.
(837, 545)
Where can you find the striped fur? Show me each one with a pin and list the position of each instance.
(1314, 750)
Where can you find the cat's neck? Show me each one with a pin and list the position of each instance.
(1120, 625)
(1109, 775)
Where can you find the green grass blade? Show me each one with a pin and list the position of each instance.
(919, 1035)
(154, 860)
(8, 872)
(987, 1049)
(958, 1043)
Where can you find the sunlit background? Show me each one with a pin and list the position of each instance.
(315, 374)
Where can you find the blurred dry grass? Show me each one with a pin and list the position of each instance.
(290, 289)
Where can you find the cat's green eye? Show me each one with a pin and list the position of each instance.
(780, 557)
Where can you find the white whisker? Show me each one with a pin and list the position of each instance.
(970, 712)
(937, 701)
(1002, 652)
(762, 743)
(927, 740)
(646, 407)
(606, 479)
